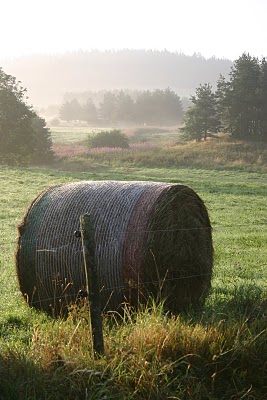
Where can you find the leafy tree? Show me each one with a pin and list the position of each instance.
(23, 134)
(201, 119)
(16, 133)
(42, 140)
(113, 138)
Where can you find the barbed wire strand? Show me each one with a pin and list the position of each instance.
(122, 287)
(126, 286)
(137, 285)
(100, 232)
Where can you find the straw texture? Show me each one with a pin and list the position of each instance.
(150, 238)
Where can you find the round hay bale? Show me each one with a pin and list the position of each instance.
(150, 239)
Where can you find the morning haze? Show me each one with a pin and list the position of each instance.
(48, 77)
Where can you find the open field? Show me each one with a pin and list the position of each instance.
(156, 147)
(218, 352)
(79, 134)
(71, 135)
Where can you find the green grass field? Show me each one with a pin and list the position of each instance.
(218, 352)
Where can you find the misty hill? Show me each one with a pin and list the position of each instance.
(49, 77)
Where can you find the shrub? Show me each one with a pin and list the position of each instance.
(112, 138)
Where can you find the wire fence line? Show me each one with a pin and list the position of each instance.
(112, 290)
(8, 244)
(118, 231)
(136, 285)
(159, 283)
(176, 278)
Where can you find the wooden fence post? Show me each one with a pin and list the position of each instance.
(88, 244)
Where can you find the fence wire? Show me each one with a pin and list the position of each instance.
(8, 245)
(118, 231)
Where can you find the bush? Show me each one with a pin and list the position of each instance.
(113, 138)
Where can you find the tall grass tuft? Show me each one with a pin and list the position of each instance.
(148, 355)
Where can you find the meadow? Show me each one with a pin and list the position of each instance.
(216, 352)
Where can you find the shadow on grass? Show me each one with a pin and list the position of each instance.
(23, 379)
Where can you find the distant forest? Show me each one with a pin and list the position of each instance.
(145, 107)
(49, 77)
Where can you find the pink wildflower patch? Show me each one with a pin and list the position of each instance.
(68, 150)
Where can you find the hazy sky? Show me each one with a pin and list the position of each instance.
(223, 28)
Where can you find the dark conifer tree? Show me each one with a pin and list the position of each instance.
(71, 111)
(89, 112)
(223, 104)
(244, 97)
(125, 107)
(108, 107)
(263, 100)
(201, 119)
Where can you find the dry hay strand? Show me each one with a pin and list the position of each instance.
(150, 239)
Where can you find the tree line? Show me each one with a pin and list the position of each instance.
(238, 105)
(148, 107)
